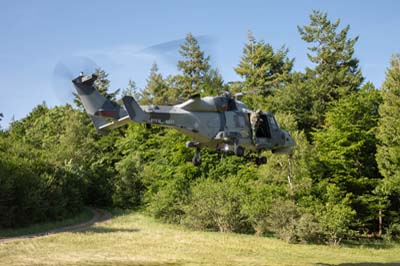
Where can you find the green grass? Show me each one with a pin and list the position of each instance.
(135, 239)
(85, 215)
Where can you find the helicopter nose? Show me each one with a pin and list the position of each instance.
(289, 141)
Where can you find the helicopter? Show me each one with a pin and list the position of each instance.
(220, 122)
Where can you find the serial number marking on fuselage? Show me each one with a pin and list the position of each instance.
(160, 121)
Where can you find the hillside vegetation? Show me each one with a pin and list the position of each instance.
(341, 182)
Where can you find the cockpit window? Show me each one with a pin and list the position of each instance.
(263, 129)
(272, 122)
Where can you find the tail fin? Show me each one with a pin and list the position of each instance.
(134, 110)
(96, 105)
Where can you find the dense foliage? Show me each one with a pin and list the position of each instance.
(341, 181)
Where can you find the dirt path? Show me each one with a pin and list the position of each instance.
(99, 215)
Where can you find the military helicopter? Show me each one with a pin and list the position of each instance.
(221, 123)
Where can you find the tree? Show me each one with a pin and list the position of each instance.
(213, 83)
(156, 90)
(346, 147)
(131, 90)
(263, 68)
(336, 72)
(1, 118)
(388, 154)
(194, 66)
(284, 180)
(335, 215)
(42, 172)
(295, 99)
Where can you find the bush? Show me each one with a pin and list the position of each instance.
(282, 220)
(216, 205)
(393, 232)
(165, 199)
(32, 192)
(127, 184)
(308, 229)
(258, 203)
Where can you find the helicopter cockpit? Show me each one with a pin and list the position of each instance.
(266, 125)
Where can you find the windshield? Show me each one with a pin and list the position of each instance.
(272, 122)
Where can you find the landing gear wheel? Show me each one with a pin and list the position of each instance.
(196, 158)
(239, 151)
(196, 161)
(261, 160)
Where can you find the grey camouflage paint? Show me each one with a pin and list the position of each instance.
(206, 120)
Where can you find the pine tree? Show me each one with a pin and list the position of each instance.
(295, 98)
(213, 83)
(388, 155)
(263, 68)
(131, 90)
(336, 73)
(156, 90)
(194, 66)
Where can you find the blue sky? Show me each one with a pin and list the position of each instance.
(36, 35)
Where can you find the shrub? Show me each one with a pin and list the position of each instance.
(165, 199)
(216, 205)
(282, 220)
(308, 229)
(393, 232)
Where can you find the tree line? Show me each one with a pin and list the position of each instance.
(342, 180)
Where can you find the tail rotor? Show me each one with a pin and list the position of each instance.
(66, 70)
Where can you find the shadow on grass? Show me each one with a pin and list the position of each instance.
(362, 264)
(105, 230)
(375, 244)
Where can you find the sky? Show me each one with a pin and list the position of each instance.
(119, 37)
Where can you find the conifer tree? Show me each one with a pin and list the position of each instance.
(156, 90)
(346, 147)
(194, 66)
(336, 72)
(262, 67)
(213, 83)
(388, 155)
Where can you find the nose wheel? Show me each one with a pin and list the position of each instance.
(261, 160)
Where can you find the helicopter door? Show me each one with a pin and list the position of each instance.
(263, 129)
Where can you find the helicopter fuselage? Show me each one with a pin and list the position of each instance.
(220, 122)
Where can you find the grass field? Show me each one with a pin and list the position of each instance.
(134, 239)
